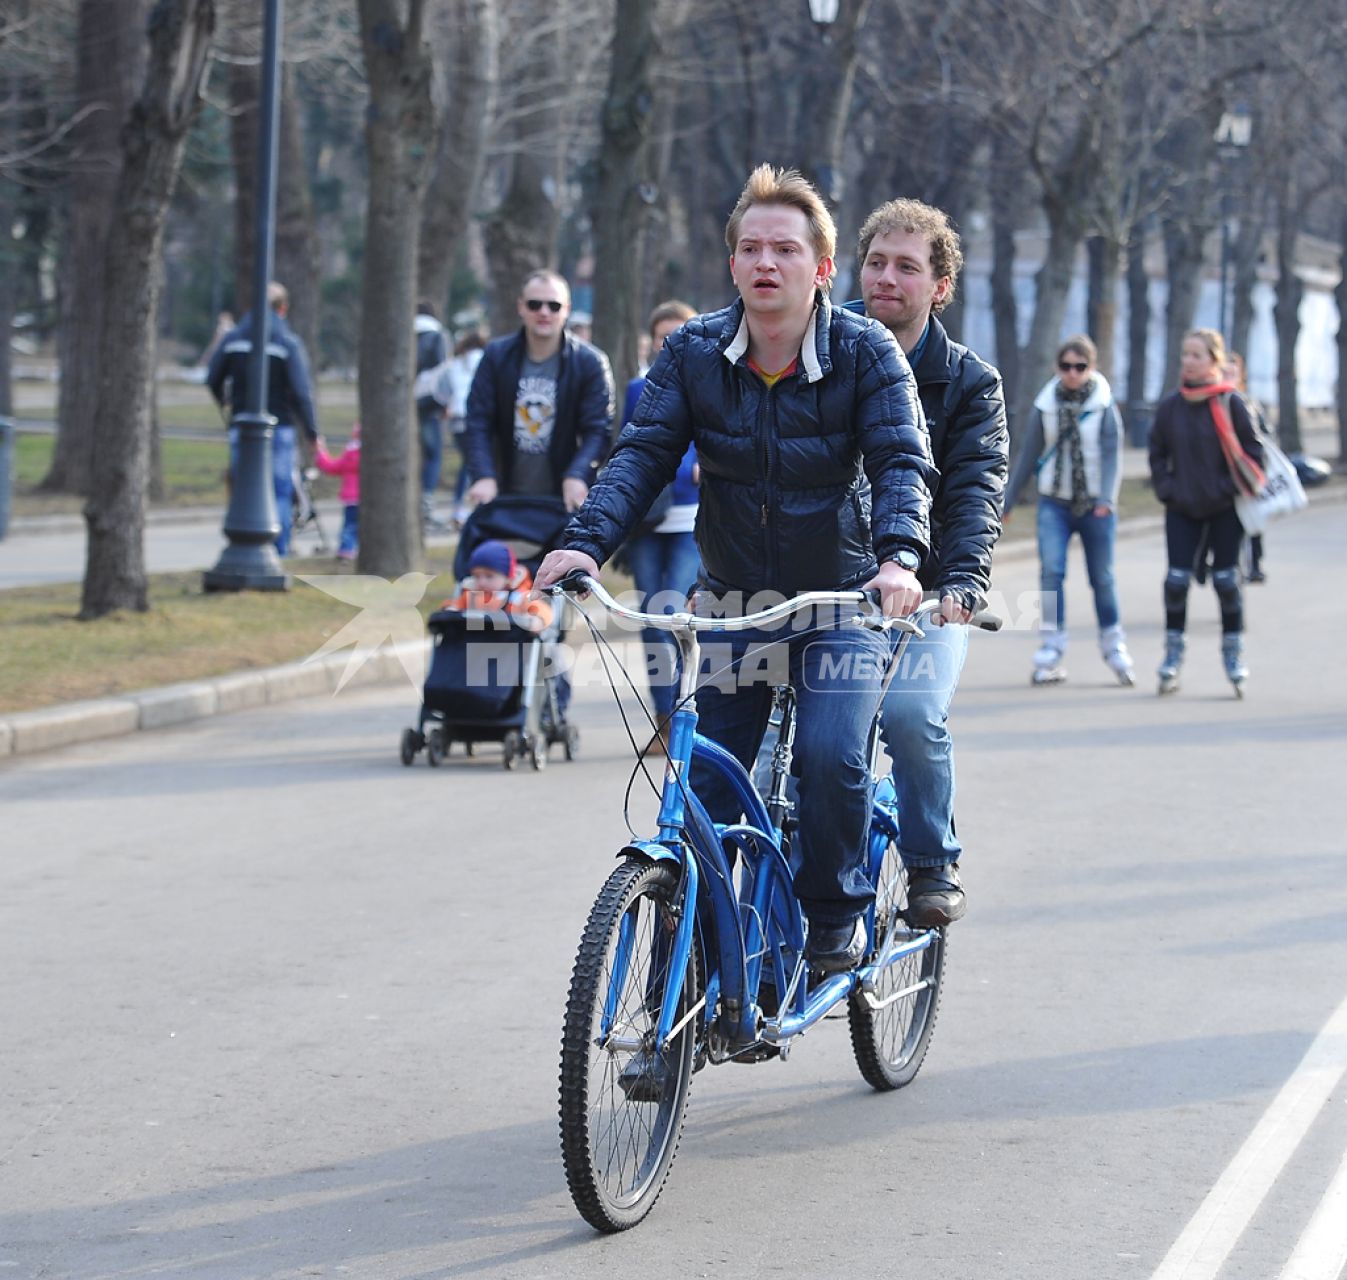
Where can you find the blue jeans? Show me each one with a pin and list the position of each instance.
(350, 530)
(1056, 524)
(837, 676)
(282, 478)
(916, 732)
(664, 565)
(432, 450)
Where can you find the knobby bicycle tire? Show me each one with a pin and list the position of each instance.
(621, 1108)
(890, 1043)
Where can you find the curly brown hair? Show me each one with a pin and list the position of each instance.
(923, 220)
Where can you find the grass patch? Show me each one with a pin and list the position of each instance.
(50, 657)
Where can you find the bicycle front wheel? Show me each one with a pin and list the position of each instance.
(622, 1101)
(891, 1030)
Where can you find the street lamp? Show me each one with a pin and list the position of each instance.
(1233, 135)
(250, 561)
(823, 12)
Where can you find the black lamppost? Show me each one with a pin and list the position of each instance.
(1232, 137)
(250, 561)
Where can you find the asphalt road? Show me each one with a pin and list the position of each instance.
(274, 1006)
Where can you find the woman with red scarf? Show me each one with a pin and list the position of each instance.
(1202, 438)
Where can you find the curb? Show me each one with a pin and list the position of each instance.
(28, 732)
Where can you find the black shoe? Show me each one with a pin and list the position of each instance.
(935, 896)
(1256, 575)
(834, 947)
(646, 1076)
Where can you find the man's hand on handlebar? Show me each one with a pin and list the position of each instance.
(557, 564)
(953, 610)
(899, 590)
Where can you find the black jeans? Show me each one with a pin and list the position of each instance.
(1190, 541)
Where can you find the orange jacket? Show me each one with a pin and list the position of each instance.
(513, 601)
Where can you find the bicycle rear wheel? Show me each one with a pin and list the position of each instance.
(890, 1042)
(622, 1104)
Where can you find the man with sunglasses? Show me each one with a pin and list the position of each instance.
(541, 404)
(910, 258)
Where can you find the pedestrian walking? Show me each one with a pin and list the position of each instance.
(1074, 447)
(289, 397)
(347, 466)
(662, 555)
(1200, 433)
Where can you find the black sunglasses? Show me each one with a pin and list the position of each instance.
(1072, 366)
(537, 304)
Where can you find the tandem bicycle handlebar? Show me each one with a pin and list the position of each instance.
(578, 583)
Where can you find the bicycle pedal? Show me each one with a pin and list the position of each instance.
(759, 1052)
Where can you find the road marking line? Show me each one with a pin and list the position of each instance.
(1211, 1233)
(1321, 1251)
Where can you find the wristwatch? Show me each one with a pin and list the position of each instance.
(908, 560)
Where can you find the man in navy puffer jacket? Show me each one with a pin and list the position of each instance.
(816, 475)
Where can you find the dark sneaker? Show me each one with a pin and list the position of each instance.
(645, 1077)
(834, 947)
(935, 896)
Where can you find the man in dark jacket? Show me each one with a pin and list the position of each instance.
(541, 404)
(815, 475)
(910, 258)
(289, 396)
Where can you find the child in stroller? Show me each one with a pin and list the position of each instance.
(493, 669)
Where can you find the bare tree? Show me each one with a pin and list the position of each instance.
(111, 58)
(399, 135)
(114, 577)
(624, 187)
(464, 41)
(297, 263)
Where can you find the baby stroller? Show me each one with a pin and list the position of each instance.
(492, 678)
(303, 510)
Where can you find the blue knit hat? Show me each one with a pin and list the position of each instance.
(495, 556)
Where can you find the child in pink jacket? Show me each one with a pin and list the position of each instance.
(347, 466)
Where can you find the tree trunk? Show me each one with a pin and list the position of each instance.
(153, 142)
(620, 199)
(1052, 284)
(297, 252)
(1005, 309)
(466, 42)
(399, 133)
(521, 235)
(1105, 266)
(827, 113)
(1138, 335)
(1341, 295)
(1247, 245)
(111, 59)
(243, 100)
(1184, 242)
(1286, 315)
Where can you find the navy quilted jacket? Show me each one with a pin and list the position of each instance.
(803, 484)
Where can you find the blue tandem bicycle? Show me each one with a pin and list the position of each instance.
(688, 959)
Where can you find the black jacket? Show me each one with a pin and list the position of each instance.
(1188, 468)
(966, 416)
(289, 393)
(584, 411)
(786, 472)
